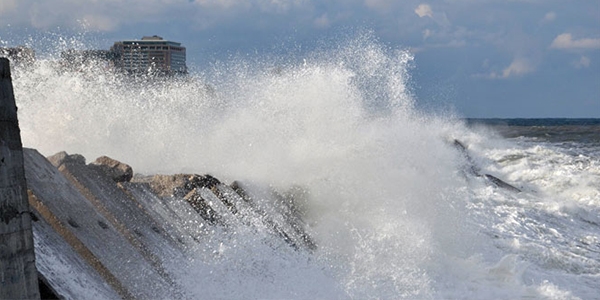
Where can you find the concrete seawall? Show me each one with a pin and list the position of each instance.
(97, 238)
(18, 275)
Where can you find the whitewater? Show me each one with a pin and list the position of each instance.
(389, 199)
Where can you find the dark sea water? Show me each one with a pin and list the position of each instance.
(585, 131)
(574, 135)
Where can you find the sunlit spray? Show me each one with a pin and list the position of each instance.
(386, 198)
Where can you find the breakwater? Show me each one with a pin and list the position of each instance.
(121, 234)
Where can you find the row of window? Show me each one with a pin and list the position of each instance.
(177, 49)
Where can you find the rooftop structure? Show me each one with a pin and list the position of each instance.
(151, 54)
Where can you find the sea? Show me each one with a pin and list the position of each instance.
(403, 203)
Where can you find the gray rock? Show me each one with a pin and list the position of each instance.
(178, 185)
(116, 170)
(63, 157)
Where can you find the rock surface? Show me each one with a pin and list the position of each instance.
(177, 185)
(118, 171)
(63, 157)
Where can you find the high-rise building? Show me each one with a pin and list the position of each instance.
(151, 54)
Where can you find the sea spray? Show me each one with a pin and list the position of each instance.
(388, 204)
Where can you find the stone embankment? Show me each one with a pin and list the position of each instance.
(101, 230)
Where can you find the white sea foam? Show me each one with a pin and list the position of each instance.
(391, 210)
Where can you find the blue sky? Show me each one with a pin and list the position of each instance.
(482, 58)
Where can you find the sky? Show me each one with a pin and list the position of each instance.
(478, 58)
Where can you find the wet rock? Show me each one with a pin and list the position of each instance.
(474, 170)
(63, 157)
(178, 185)
(116, 170)
(501, 183)
(202, 207)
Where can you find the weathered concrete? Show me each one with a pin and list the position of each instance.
(69, 268)
(277, 211)
(126, 215)
(179, 220)
(18, 275)
(98, 228)
(126, 239)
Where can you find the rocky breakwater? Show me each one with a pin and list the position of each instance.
(101, 231)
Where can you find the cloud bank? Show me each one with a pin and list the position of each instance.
(565, 41)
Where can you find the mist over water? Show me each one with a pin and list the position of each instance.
(387, 200)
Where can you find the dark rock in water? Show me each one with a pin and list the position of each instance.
(474, 170)
(63, 157)
(459, 145)
(471, 168)
(501, 183)
(118, 171)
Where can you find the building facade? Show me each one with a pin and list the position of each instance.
(150, 55)
(75, 60)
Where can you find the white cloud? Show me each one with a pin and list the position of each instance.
(7, 6)
(322, 21)
(549, 17)
(379, 4)
(218, 3)
(424, 10)
(99, 22)
(278, 6)
(583, 62)
(109, 15)
(518, 67)
(565, 41)
(427, 33)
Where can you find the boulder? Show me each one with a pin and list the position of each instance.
(116, 170)
(63, 157)
(178, 185)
